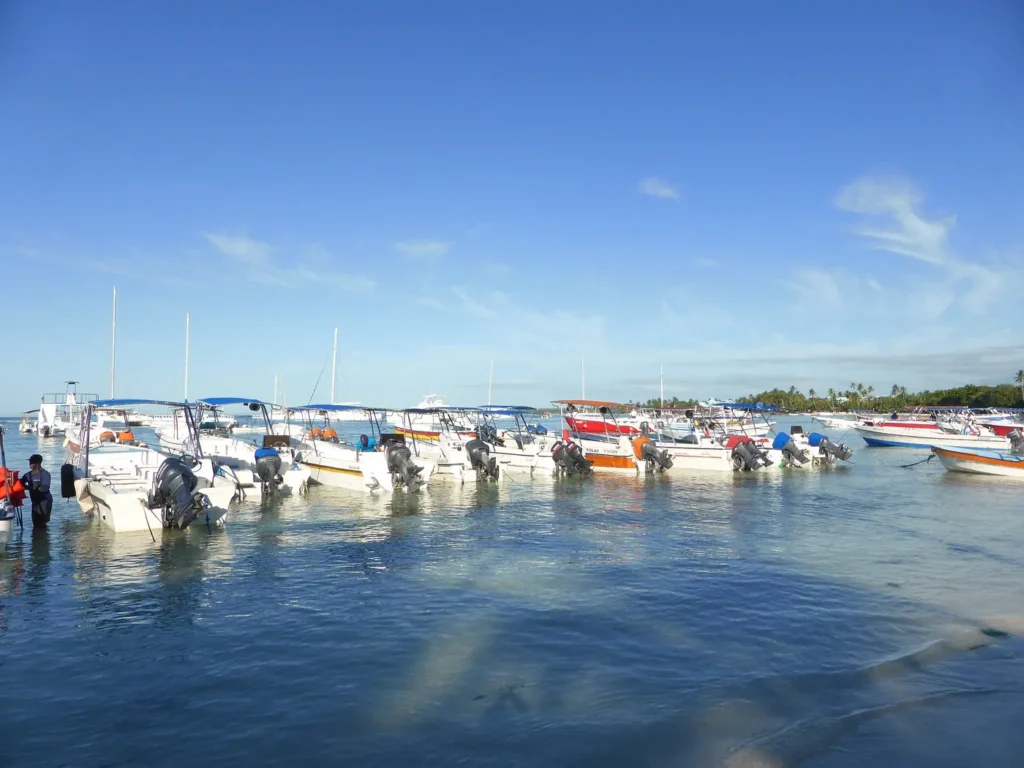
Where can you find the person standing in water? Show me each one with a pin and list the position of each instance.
(37, 482)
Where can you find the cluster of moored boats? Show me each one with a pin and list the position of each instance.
(203, 459)
(985, 442)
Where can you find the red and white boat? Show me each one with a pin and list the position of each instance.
(608, 446)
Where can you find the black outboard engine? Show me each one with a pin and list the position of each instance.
(174, 489)
(653, 456)
(268, 469)
(790, 451)
(746, 455)
(479, 454)
(489, 434)
(399, 461)
(1016, 440)
(569, 458)
(837, 451)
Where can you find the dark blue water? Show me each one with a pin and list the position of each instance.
(845, 618)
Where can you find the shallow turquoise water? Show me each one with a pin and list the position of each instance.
(821, 619)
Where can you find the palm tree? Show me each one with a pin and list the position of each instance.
(895, 390)
(1019, 378)
(811, 394)
(832, 396)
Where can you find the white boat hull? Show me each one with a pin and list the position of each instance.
(365, 471)
(968, 463)
(927, 438)
(125, 511)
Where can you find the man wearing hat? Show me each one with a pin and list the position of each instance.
(37, 481)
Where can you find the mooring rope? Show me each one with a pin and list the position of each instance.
(922, 461)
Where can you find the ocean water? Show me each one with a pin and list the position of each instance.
(869, 615)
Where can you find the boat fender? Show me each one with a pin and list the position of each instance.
(67, 482)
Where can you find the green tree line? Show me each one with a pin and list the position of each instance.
(857, 396)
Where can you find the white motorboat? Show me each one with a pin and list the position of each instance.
(384, 464)
(613, 450)
(132, 487)
(425, 421)
(60, 411)
(267, 464)
(981, 462)
(457, 453)
(520, 447)
(27, 425)
(835, 421)
(922, 435)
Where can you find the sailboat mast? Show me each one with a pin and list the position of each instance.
(334, 365)
(186, 355)
(275, 388)
(583, 377)
(662, 367)
(490, 382)
(113, 344)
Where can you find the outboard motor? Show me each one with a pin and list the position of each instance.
(645, 449)
(838, 451)
(746, 455)
(479, 454)
(174, 489)
(488, 434)
(569, 458)
(790, 451)
(268, 468)
(399, 462)
(1016, 440)
(44, 431)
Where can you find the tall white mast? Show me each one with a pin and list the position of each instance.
(186, 356)
(334, 365)
(113, 344)
(275, 389)
(662, 366)
(490, 383)
(583, 376)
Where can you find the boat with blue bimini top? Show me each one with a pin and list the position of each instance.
(130, 486)
(519, 443)
(266, 463)
(385, 463)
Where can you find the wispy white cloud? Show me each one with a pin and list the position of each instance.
(892, 220)
(815, 287)
(423, 249)
(655, 187)
(704, 261)
(316, 266)
(241, 248)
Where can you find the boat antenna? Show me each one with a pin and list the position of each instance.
(113, 345)
(186, 355)
(317, 385)
(334, 366)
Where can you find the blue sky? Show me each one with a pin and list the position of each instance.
(749, 194)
